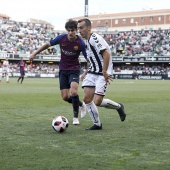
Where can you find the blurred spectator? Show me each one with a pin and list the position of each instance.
(26, 38)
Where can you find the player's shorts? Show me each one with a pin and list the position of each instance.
(68, 76)
(5, 70)
(97, 81)
(22, 72)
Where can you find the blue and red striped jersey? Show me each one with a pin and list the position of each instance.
(70, 51)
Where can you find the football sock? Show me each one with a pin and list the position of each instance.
(109, 104)
(93, 112)
(69, 100)
(75, 103)
(7, 78)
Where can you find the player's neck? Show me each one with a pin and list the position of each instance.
(72, 39)
(89, 35)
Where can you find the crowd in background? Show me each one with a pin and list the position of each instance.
(20, 38)
(26, 38)
(140, 43)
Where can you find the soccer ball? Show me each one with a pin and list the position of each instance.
(60, 123)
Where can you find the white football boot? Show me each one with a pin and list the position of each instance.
(75, 121)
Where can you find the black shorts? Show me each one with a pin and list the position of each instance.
(22, 72)
(68, 76)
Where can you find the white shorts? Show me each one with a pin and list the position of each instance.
(5, 70)
(97, 81)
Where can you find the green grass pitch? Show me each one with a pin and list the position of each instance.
(28, 142)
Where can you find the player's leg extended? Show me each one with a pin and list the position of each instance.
(23, 74)
(110, 104)
(74, 83)
(22, 78)
(101, 88)
(19, 79)
(90, 105)
(75, 98)
(65, 85)
(65, 94)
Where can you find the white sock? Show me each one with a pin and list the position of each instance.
(109, 104)
(93, 112)
(7, 77)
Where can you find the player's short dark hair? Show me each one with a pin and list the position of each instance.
(86, 20)
(71, 24)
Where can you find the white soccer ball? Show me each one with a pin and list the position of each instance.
(60, 123)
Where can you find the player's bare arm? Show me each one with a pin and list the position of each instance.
(42, 48)
(85, 72)
(106, 57)
(83, 75)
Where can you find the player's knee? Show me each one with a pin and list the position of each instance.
(87, 99)
(97, 102)
(74, 93)
(65, 97)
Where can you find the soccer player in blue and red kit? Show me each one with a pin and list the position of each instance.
(71, 45)
(21, 64)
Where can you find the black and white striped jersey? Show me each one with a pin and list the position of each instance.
(94, 46)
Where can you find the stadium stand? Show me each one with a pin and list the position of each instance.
(23, 38)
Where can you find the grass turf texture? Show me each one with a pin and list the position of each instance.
(27, 140)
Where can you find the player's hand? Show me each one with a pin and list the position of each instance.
(83, 76)
(107, 77)
(31, 58)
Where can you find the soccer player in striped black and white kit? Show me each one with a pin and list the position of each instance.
(98, 75)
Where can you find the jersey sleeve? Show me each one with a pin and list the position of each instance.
(83, 48)
(97, 42)
(56, 40)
